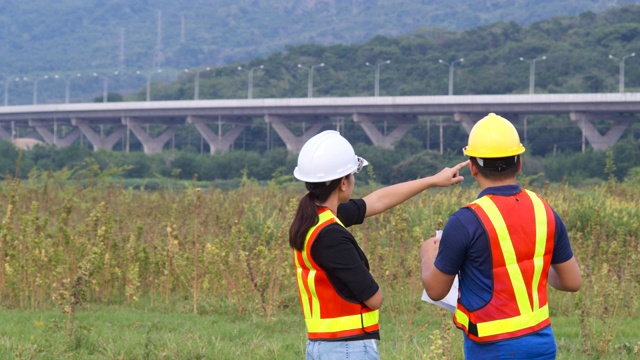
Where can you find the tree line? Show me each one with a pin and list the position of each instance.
(408, 161)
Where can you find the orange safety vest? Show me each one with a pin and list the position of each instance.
(328, 316)
(521, 251)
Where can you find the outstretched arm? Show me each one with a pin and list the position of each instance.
(390, 196)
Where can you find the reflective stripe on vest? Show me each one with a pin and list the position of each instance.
(337, 318)
(350, 322)
(520, 309)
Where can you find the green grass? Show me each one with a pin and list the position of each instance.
(112, 332)
(123, 333)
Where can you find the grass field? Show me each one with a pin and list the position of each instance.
(115, 332)
(97, 271)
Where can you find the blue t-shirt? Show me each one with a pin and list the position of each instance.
(465, 250)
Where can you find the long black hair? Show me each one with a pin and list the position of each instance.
(306, 215)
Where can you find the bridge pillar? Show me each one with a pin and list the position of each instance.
(12, 133)
(98, 140)
(385, 140)
(591, 134)
(294, 143)
(151, 145)
(467, 120)
(4, 134)
(52, 138)
(218, 141)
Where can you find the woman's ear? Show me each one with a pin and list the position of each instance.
(344, 183)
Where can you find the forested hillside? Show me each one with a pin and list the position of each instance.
(43, 36)
(577, 53)
(577, 59)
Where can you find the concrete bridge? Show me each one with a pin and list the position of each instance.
(371, 113)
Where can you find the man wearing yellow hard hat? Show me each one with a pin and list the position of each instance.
(506, 246)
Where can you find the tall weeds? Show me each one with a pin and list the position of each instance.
(65, 242)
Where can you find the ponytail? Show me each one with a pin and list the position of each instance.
(306, 215)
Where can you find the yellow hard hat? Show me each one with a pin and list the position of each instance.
(493, 137)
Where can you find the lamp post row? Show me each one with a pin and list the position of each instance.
(310, 69)
(105, 85)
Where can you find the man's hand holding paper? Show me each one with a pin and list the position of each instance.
(428, 254)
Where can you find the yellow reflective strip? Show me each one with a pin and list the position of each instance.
(315, 306)
(511, 262)
(314, 310)
(541, 243)
(462, 318)
(343, 323)
(371, 318)
(513, 324)
(304, 297)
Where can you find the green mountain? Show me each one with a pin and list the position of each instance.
(577, 60)
(576, 54)
(576, 51)
(43, 36)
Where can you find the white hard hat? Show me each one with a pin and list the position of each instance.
(327, 156)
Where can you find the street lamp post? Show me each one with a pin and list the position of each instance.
(24, 78)
(450, 65)
(310, 79)
(532, 72)
(7, 81)
(6, 88)
(196, 83)
(621, 86)
(67, 85)
(250, 80)
(35, 87)
(376, 90)
(105, 85)
(148, 76)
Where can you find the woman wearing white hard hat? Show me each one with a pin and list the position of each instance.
(339, 296)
